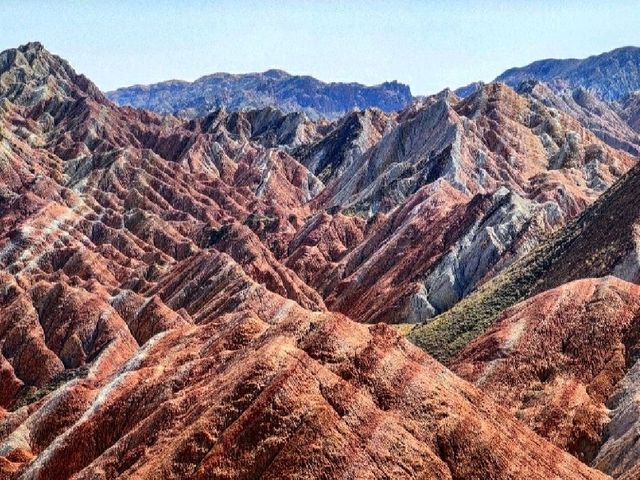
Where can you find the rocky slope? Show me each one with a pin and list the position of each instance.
(373, 162)
(275, 88)
(555, 359)
(453, 193)
(630, 110)
(601, 241)
(608, 121)
(497, 159)
(250, 384)
(599, 91)
(177, 296)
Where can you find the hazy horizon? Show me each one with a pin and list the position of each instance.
(423, 44)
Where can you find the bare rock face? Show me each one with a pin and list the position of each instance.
(259, 386)
(618, 455)
(372, 281)
(175, 186)
(555, 360)
(117, 195)
(606, 120)
(177, 296)
(496, 172)
(331, 155)
(630, 110)
(601, 241)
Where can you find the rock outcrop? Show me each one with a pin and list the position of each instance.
(555, 359)
(177, 297)
(601, 241)
(254, 385)
(453, 194)
(608, 121)
(630, 110)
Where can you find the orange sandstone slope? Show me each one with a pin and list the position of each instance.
(248, 384)
(564, 362)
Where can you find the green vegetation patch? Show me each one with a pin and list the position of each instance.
(29, 395)
(258, 222)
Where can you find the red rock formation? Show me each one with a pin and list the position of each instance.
(164, 284)
(260, 386)
(516, 170)
(121, 194)
(554, 360)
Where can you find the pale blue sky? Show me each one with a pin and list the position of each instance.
(427, 44)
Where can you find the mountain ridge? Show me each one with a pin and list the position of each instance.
(272, 87)
(198, 294)
(600, 73)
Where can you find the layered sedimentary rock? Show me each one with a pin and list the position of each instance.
(630, 110)
(505, 168)
(618, 455)
(118, 195)
(603, 240)
(254, 385)
(175, 294)
(608, 121)
(555, 359)
(456, 192)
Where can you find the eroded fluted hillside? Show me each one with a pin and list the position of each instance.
(453, 193)
(245, 383)
(559, 361)
(180, 298)
(601, 241)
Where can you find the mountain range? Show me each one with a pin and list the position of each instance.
(289, 93)
(444, 287)
(610, 76)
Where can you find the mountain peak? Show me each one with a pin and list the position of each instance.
(32, 47)
(30, 72)
(276, 73)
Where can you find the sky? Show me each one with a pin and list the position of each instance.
(429, 45)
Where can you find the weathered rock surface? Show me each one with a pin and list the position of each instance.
(630, 110)
(496, 172)
(555, 359)
(619, 454)
(258, 386)
(603, 240)
(175, 294)
(607, 121)
(117, 195)
(331, 155)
